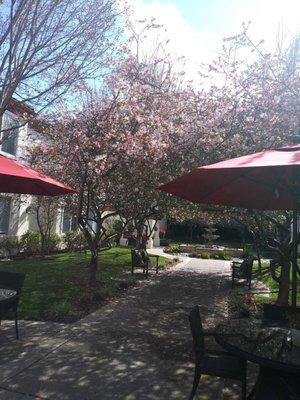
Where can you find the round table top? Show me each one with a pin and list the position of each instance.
(272, 346)
(7, 294)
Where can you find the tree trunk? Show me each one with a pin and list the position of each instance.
(191, 233)
(284, 284)
(43, 245)
(256, 245)
(93, 268)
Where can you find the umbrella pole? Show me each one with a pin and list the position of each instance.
(294, 257)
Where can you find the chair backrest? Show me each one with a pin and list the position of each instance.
(197, 330)
(246, 267)
(274, 312)
(13, 280)
(136, 258)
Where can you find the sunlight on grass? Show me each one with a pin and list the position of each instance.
(56, 288)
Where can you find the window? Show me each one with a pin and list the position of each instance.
(4, 214)
(9, 137)
(69, 223)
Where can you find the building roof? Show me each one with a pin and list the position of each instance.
(19, 108)
(22, 109)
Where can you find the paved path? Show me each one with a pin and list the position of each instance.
(136, 348)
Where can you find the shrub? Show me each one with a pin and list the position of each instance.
(74, 241)
(173, 248)
(242, 308)
(194, 255)
(205, 255)
(30, 243)
(9, 247)
(224, 255)
(244, 304)
(54, 242)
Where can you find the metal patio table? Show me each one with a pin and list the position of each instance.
(7, 295)
(274, 347)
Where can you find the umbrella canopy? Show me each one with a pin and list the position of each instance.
(19, 178)
(268, 180)
(264, 180)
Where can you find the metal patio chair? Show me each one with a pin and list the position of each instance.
(214, 363)
(14, 281)
(141, 259)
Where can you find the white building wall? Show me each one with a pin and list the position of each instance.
(20, 220)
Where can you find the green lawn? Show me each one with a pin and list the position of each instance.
(266, 278)
(56, 288)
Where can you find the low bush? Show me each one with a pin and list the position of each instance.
(30, 243)
(173, 248)
(194, 255)
(9, 247)
(224, 255)
(74, 241)
(243, 304)
(54, 242)
(205, 255)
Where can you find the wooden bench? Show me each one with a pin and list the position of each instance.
(141, 259)
(242, 270)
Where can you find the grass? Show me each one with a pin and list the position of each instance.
(265, 277)
(56, 288)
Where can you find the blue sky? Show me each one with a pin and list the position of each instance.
(214, 15)
(196, 28)
(221, 16)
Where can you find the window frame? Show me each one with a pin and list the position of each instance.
(10, 118)
(70, 222)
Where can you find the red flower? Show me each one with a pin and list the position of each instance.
(247, 298)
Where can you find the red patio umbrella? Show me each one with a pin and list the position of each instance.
(268, 180)
(21, 179)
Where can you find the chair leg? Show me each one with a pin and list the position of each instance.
(244, 388)
(16, 325)
(244, 383)
(197, 377)
(232, 281)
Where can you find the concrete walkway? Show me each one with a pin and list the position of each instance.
(136, 348)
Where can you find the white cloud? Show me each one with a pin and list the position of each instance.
(185, 40)
(268, 19)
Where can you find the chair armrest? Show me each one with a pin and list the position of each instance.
(236, 263)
